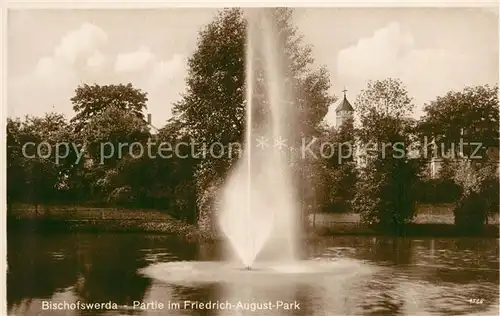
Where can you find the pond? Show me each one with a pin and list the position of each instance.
(68, 274)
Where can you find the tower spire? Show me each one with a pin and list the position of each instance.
(344, 110)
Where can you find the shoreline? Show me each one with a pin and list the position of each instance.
(190, 232)
(87, 219)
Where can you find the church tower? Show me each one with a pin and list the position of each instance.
(344, 110)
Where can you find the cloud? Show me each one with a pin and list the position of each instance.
(80, 43)
(134, 61)
(164, 86)
(80, 57)
(162, 78)
(80, 46)
(52, 81)
(427, 72)
(97, 60)
(166, 71)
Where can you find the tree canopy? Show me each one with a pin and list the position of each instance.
(385, 191)
(379, 182)
(91, 100)
(470, 114)
(213, 107)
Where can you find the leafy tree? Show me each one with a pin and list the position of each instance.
(213, 107)
(111, 138)
(110, 170)
(387, 97)
(344, 180)
(480, 197)
(105, 117)
(471, 115)
(92, 100)
(385, 190)
(182, 194)
(15, 169)
(33, 145)
(162, 178)
(467, 116)
(104, 133)
(341, 169)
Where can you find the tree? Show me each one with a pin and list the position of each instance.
(345, 175)
(480, 199)
(105, 117)
(33, 145)
(182, 193)
(471, 115)
(340, 168)
(15, 169)
(214, 106)
(387, 97)
(92, 100)
(212, 109)
(112, 138)
(159, 179)
(385, 190)
(453, 121)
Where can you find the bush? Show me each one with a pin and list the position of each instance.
(470, 212)
(479, 199)
(385, 194)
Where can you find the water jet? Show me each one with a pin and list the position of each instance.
(262, 179)
(258, 214)
(258, 210)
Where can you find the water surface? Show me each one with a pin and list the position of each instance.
(454, 276)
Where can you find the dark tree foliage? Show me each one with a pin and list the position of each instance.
(471, 115)
(92, 100)
(340, 169)
(385, 193)
(35, 173)
(480, 198)
(466, 117)
(371, 170)
(213, 109)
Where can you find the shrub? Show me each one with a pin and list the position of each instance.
(479, 199)
(385, 194)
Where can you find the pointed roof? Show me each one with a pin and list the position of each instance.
(344, 105)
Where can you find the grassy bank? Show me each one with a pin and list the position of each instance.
(68, 218)
(425, 214)
(431, 220)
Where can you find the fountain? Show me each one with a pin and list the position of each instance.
(259, 215)
(258, 208)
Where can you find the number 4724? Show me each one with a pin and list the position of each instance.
(475, 300)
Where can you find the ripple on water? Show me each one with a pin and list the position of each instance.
(306, 271)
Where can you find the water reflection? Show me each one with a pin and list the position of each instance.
(413, 276)
(84, 267)
(33, 270)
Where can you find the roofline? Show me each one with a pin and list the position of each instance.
(338, 109)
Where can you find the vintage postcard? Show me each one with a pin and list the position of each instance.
(336, 159)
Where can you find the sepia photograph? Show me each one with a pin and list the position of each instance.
(251, 160)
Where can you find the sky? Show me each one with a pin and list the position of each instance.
(432, 50)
